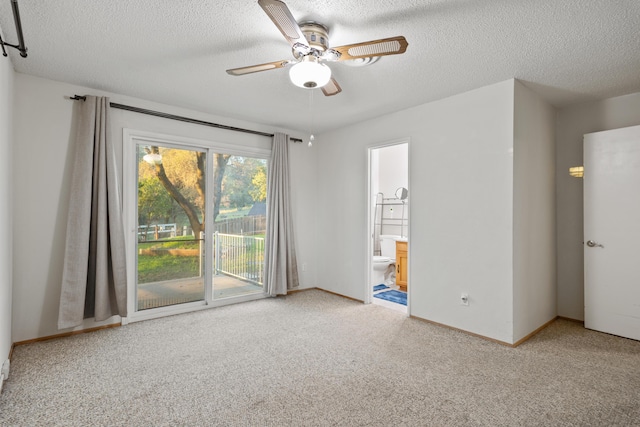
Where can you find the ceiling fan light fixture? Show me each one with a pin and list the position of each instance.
(309, 41)
(309, 73)
(153, 158)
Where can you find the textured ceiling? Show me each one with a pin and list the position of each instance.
(176, 52)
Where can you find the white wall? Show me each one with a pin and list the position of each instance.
(461, 173)
(42, 155)
(572, 123)
(534, 212)
(461, 198)
(6, 143)
(393, 168)
(390, 171)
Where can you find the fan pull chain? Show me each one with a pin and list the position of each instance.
(311, 137)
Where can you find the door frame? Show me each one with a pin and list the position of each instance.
(368, 295)
(132, 137)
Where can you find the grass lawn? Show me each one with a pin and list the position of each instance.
(161, 266)
(156, 268)
(180, 242)
(233, 213)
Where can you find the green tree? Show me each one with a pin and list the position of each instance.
(220, 162)
(236, 182)
(241, 187)
(154, 204)
(259, 184)
(182, 174)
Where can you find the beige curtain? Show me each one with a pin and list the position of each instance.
(281, 269)
(94, 275)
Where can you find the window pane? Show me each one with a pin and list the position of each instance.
(171, 212)
(239, 209)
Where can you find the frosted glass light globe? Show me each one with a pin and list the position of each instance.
(309, 73)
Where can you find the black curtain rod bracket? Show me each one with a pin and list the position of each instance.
(181, 118)
(20, 46)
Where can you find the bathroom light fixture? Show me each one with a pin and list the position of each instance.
(309, 73)
(577, 171)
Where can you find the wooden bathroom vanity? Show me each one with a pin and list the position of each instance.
(401, 265)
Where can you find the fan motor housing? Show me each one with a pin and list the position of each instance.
(317, 34)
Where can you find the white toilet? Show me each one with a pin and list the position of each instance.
(384, 264)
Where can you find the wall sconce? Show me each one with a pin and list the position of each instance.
(577, 171)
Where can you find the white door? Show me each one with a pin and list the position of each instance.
(612, 231)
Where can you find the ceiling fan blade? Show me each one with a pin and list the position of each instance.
(382, 47)
(284, 20)
(331, 88)
(260, 67)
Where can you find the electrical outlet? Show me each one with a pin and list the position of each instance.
(304, 266)
(464, 299)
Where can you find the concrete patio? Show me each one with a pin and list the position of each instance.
(160, 294)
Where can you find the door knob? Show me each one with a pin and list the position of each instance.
(593, 244)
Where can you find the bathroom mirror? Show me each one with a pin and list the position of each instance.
(402, 193)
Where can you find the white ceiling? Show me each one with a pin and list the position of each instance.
(176, 52)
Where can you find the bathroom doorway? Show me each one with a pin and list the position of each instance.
(388, 226)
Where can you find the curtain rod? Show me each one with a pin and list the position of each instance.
(16, 19)
(182, 118)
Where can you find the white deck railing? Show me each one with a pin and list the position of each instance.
(239, 256)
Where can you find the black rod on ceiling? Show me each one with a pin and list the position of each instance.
(20, 46)
(181, 118)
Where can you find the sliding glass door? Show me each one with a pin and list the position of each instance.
(171, 237)
(240, 225)
(199, 216)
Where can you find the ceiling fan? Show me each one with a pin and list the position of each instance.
(309, 42)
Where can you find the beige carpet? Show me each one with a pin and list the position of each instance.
(315, 359)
